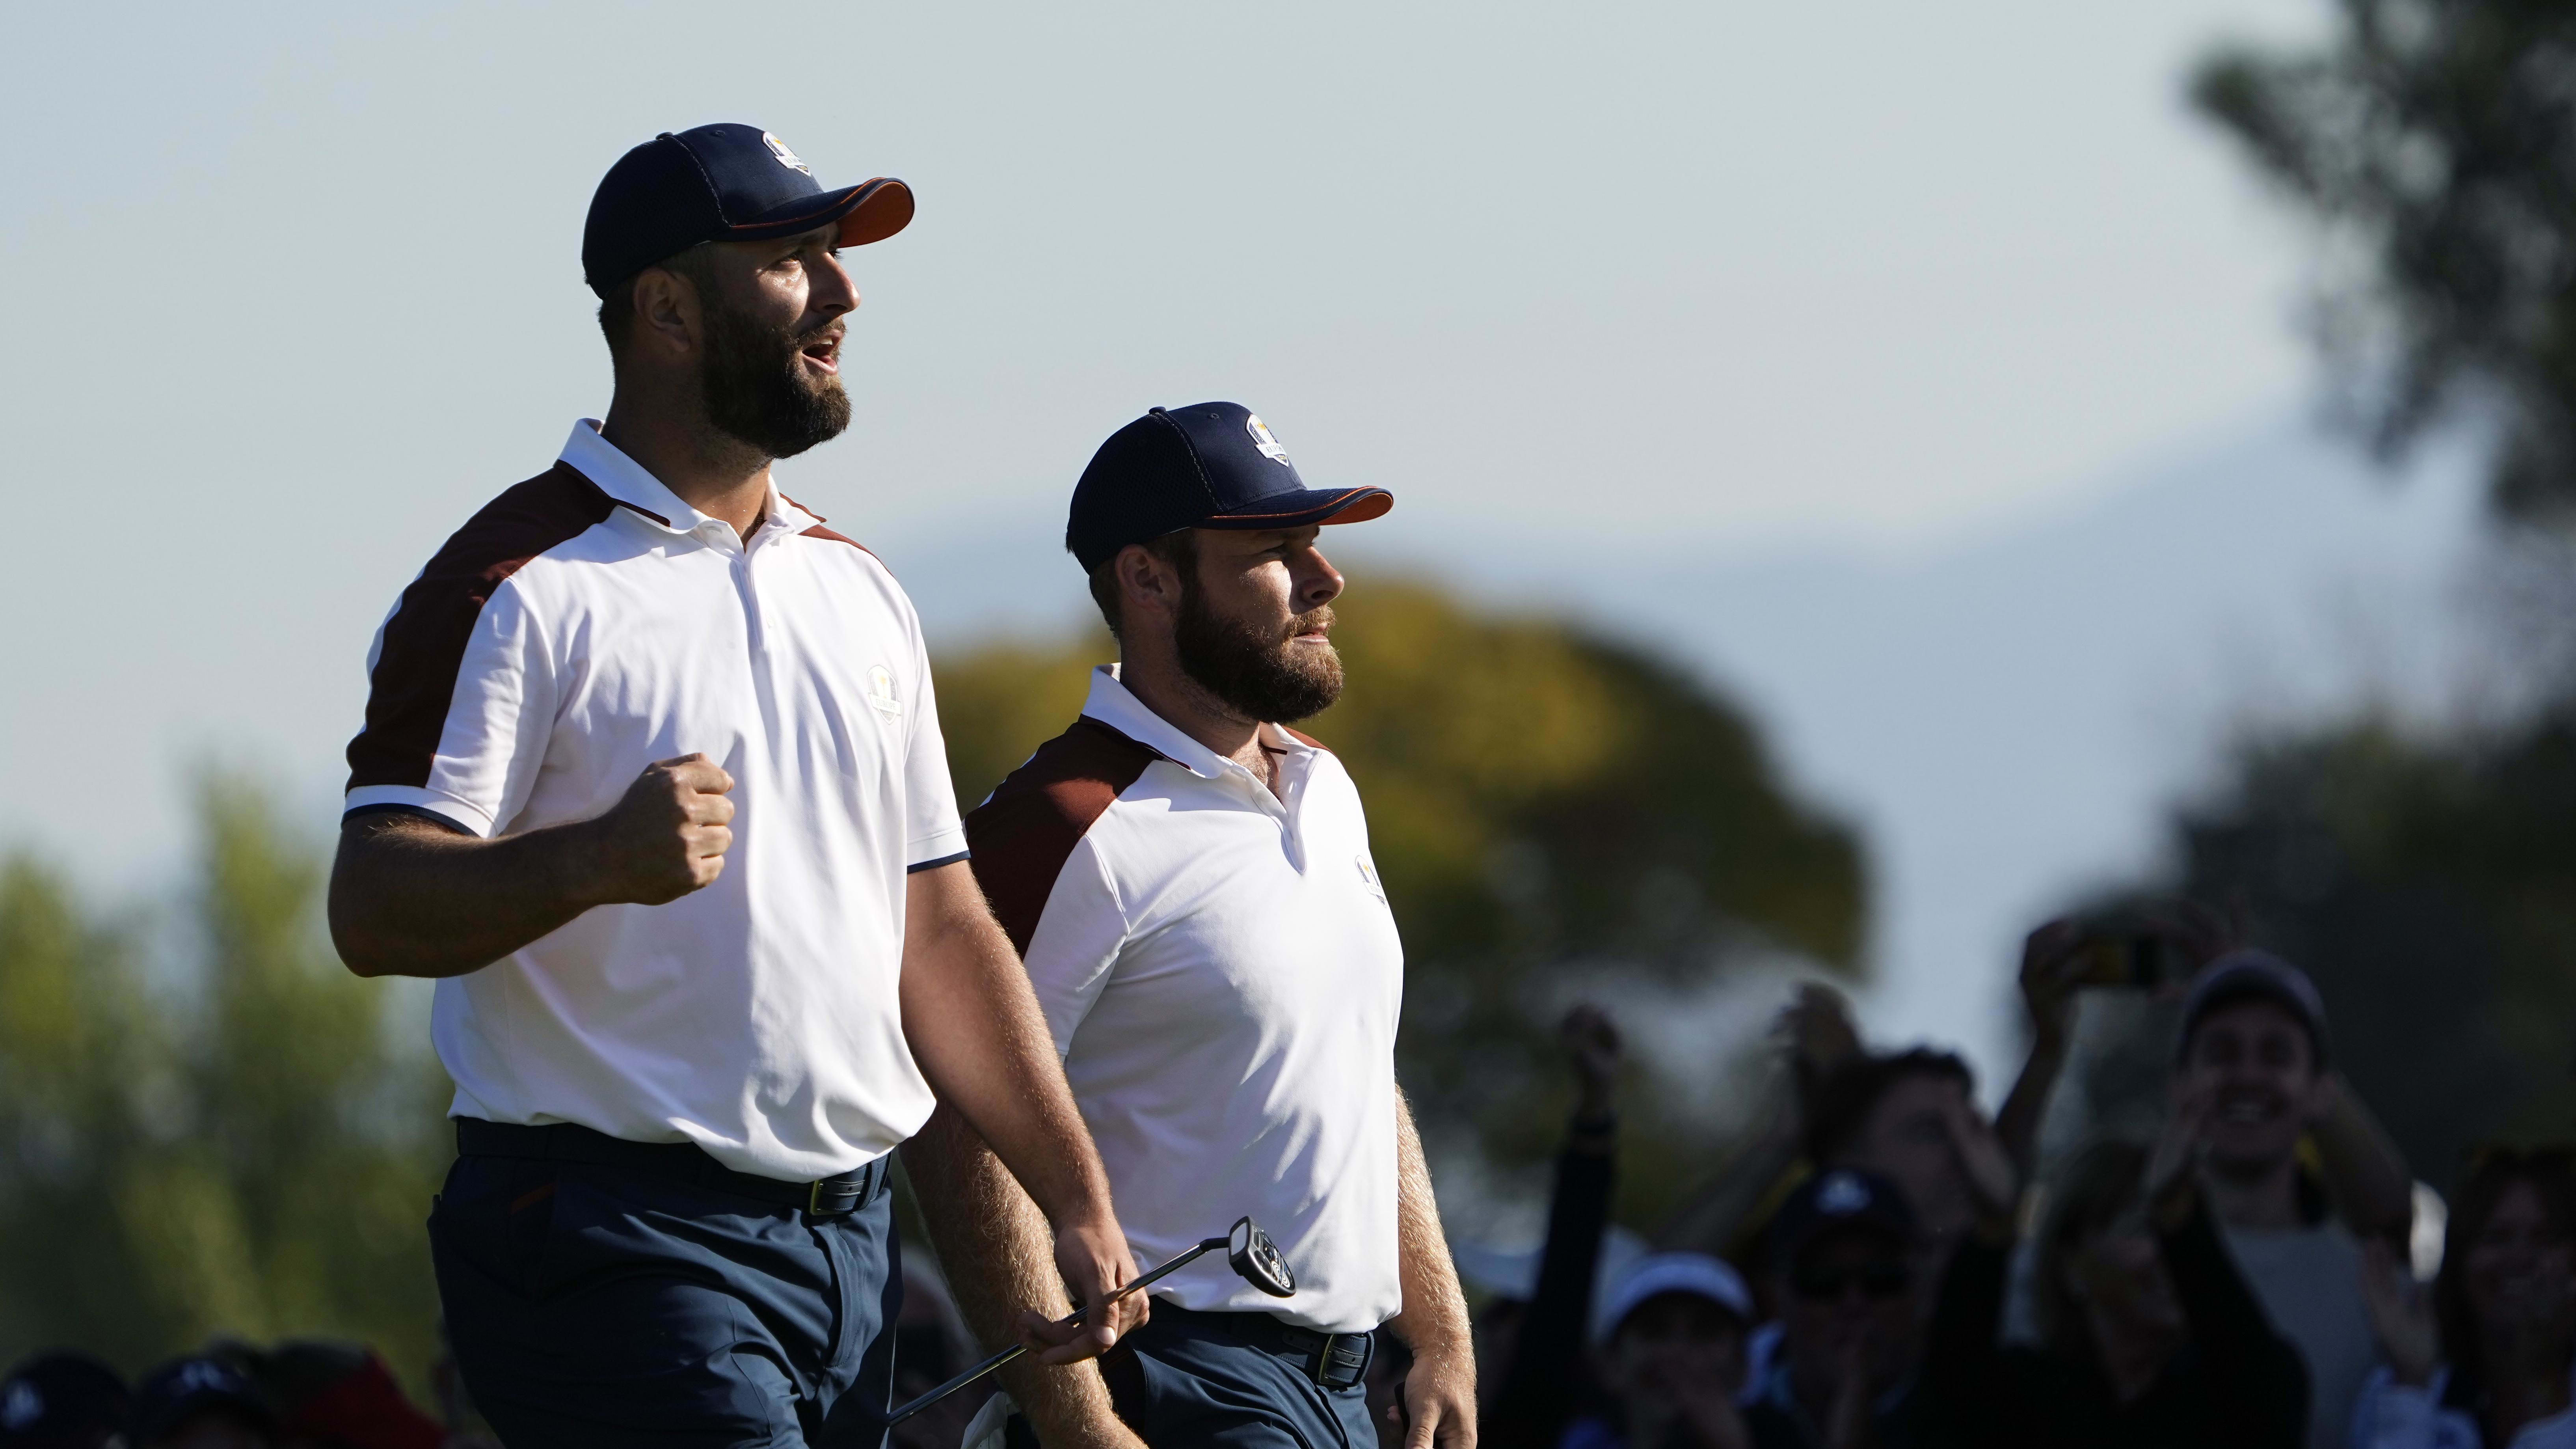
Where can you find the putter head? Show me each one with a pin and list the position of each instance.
(1249, 1251)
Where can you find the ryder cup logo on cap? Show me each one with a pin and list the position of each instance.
(1262, 438)
(785, 157)
(1208, 465)
(1841, 1195)
(728, 182)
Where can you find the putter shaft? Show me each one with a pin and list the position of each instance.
(906, 1411)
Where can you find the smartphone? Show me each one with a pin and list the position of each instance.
(2137, 960)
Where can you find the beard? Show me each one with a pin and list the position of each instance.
(1260, 673)
(757, 391)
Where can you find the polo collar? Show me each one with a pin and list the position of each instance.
(630, 483)
(1113, 705)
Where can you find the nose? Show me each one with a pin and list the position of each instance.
(832, 291)
(1318, 583)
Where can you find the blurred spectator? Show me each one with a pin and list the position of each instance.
(1543, 1384)
(1728, 1214)
(2151, 1337)
(1885, 1114)
(2254, 1052)
(1845, 1259)
(2503, 1311)
(200, 1403)
(329, 1395)
(62, 1400)
(1671, 1350)
(2254, 1068)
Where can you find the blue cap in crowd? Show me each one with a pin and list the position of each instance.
(1656, 1274)
(61, 1400)
(725, 182)
(2246, 974)
(180, 1390)
(1208, 465)
(1842, 1198)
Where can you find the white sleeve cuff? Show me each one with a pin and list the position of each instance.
(939, 849)
(465, 816)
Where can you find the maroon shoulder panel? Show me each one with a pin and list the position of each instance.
(1019, 839)
(819, 531)
(415, 674)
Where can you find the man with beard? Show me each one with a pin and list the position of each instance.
(1190, 885)
(652, 783)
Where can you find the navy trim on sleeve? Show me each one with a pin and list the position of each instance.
(432, 816)
(936, 864)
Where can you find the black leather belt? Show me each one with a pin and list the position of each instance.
(563, 1142)
(1332, 1360)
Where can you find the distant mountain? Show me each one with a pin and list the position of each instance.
(2005, 713)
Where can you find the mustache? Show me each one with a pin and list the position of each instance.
(1315, 620)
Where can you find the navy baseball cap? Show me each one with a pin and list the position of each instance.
(180, 1390)
(1843, 1197)
(2246, 974)
(1208, 465)
(725, 182)
(62, 1400)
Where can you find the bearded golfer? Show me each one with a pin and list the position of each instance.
(1190, 885)
(652, 782)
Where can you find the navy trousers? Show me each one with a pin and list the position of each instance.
(1182, 1381)
(600, 1306)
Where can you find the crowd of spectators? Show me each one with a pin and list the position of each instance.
(1880, 1267)
(1885, 1268)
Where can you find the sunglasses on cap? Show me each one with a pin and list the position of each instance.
(1876, 1280)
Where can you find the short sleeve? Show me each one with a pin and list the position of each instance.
(459, 734)
(933, 835)
(1077, 942)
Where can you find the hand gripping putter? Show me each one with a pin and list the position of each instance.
(1248, 1251)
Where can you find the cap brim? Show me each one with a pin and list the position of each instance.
(1308, 506)
(868, 212)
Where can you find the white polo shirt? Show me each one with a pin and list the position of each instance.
(583, 625)
(1223, 978)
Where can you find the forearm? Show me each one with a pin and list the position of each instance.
(2366, 1176)
(975, 1028)
(1434, 1319)
(2017, 1125)
(993, 1245)
(409, 898)
(1536, 1395)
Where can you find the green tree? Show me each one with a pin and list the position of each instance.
(2435, 143)
(1547, 808)
(232, 1145)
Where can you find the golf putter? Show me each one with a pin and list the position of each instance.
(1248, 1250)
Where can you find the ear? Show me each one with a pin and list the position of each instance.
(1147, 585)
(669, 314)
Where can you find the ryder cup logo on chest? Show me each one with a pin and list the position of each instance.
(1368, 878)
(881, 696)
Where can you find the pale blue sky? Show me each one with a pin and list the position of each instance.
(291, 288)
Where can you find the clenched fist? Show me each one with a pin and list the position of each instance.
(668, 836)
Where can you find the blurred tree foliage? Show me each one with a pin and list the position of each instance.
(2436, 142)
(228, 1144)
(1546, 808)
(2426, 879)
